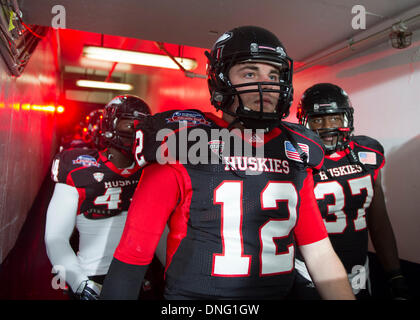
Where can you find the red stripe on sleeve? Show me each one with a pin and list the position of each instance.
(310, 227)
(80, 191)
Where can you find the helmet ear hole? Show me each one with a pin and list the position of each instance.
(217, 96)
(108, 135)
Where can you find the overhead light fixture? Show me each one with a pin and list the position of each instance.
(104, 85)
(106, 65)
(138, 58)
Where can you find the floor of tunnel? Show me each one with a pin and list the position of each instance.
(25, 274)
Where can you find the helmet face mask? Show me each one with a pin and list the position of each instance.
(122, 137)
(249, 45)
(325, 99)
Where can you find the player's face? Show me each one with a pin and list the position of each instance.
(255, 72)
(126, 126)
(330, 121)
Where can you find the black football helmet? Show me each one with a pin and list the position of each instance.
(122, 107)
(253, 44)
(327, 98)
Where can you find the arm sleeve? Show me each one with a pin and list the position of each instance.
(123, 281)
(146, 221)
(61, 220)
(310, 227)
(156, 197)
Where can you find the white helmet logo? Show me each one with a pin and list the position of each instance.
(224, 37)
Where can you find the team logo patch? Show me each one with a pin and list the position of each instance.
(86, 161)
(367, 157)
(126, 171)
(217, 146)
(98, 176)
(291, 152)
(255, 138)
(190, 118)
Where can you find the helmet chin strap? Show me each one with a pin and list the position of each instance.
(250, 121)
(124, 150)
(339, 144)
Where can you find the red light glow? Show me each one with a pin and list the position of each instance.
(35, 107)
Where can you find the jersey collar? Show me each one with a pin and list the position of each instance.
(251, 138)
(124, 172)
(336, 156)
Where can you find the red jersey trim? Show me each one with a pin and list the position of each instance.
(266, 137)
(80, 191)
(383, 157)
(310, 227)
(112, 166)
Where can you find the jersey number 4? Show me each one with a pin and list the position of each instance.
(111, 198)
(333, 187)
(232, 262)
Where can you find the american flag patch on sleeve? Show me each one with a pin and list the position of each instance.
(291, 152)
(367, 157)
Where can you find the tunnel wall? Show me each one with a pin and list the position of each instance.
(27, 136)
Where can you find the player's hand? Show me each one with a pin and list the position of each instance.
(398, 285)
(399, 288)
(88, 290)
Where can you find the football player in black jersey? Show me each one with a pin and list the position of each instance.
(92, 129)
(349, 192)
(92, 194)
(234, 224)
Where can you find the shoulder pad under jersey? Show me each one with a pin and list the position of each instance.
(69, 160)
(153, 130)
(307, 140)
(369, 151)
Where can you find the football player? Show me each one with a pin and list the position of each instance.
(349, 192)
(74, 139)
(92, 194)
(233, 224)
(92, 129)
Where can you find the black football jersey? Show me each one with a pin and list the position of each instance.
(233, 234)
(344, 190)
(104, 190)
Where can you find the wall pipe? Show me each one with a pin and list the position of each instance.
(351, 46)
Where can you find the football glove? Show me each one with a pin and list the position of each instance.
(398, 286)
(88, 290)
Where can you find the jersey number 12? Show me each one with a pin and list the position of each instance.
(232, 262)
